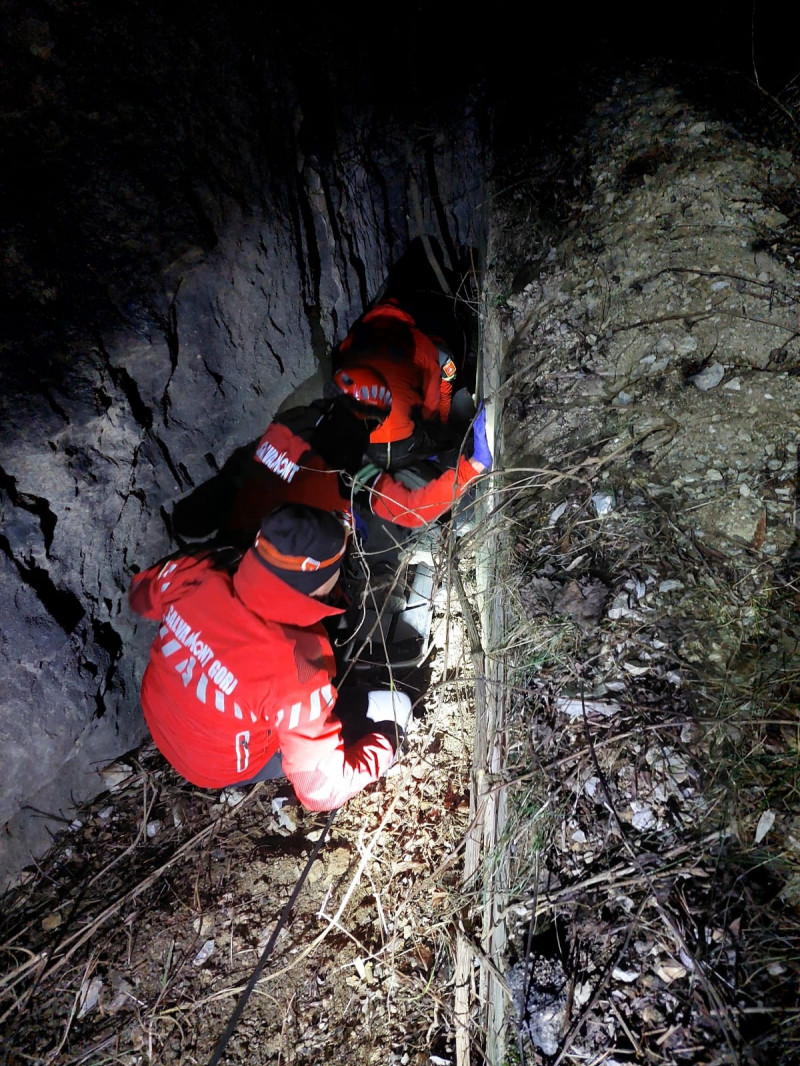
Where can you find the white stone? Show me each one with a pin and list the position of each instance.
(709, 377)
(204, 953)
(643, 816)
(670, 585)
(765, 823)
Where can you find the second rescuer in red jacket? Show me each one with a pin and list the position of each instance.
(419, 370)
(241, 669)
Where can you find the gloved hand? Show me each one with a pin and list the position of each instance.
(391, 713)
(480, 446)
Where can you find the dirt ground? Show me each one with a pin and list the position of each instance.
(642, 304)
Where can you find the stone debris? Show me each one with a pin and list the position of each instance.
(539, 989)
(661, 336)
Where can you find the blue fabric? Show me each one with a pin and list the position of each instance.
(480, 446)
(362, 529)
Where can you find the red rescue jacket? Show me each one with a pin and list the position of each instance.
(416, 379)
(286, 469)
(240, 669)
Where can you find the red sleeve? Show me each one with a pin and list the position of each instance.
(150, 588)
(445, 399)
(417, 507)
(426, 357)
(325, 773)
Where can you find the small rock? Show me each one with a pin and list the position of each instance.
(687, 344)
(115, 775)
(538, 988)
(670, 970)
(204, 953)
(670, 585)
(709, 377)
(89, 995)
(643, 816)
(603, 503)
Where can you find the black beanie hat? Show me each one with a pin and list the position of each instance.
(304, 546)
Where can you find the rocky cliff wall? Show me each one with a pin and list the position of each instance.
(188, 229)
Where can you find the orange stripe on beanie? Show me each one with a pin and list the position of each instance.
(303, 546)
(270, 554)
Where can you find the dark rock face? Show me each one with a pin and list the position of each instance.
(194, 212)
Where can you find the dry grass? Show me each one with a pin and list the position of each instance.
(637, 775)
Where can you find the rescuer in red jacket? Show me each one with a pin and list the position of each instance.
(419, 370)
(240, 673)
(315, 455)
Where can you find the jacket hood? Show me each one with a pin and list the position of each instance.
(272, 600)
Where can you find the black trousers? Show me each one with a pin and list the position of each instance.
(396, 454)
